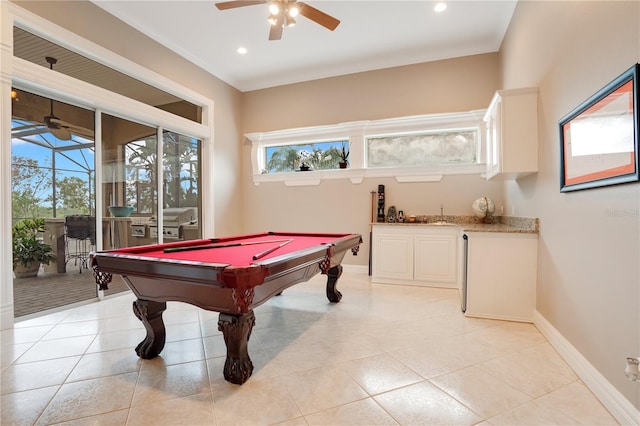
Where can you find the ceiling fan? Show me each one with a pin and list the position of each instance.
(283, 12)
(58, 128)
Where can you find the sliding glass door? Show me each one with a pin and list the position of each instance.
(181, 187)
(53, 202)
(102, 157)
(54, 190)
(130, 181)
(131, 193)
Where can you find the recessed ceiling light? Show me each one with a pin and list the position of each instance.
(242, 50)
(440, 7)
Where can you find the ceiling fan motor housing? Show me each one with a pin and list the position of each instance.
(283, 12)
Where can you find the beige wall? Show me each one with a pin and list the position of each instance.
(92, 23)
(589, 243)
(588, 272)
(455, 85)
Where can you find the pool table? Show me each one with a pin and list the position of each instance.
(230, 275)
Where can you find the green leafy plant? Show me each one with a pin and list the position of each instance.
(27, 248)
(344, 154)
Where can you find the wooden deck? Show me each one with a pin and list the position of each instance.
(52, 290)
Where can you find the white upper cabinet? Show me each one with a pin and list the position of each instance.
(512, 134)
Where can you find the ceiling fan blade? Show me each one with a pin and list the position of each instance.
(61, 133)
(275, 32)
(237, 3)
(318, 16)
(82, 131)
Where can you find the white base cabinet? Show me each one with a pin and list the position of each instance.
(392, 256)
(424, 255)
(436, 259)
(501, 275)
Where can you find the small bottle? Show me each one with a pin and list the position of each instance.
(380, 217)
(400, 216)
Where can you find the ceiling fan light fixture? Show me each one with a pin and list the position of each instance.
(293, 11)
(273, 19)
(290, 21)
(274, 8)
(440, 7)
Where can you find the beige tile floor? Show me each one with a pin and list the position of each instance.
(385, 355)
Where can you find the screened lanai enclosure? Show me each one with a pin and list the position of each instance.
(52, 169)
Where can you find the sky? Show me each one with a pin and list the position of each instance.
(79, 160)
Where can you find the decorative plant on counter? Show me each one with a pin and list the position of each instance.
(29, 252)
(344, 155)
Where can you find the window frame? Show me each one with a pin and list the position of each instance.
(28, 76)
(357, 133)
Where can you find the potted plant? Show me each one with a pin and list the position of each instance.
(29, 252)
(344, 155)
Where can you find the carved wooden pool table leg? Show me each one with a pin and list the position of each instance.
(150, 313)
(236, 330)
(333, 274)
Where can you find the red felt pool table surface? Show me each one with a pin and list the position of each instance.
(237, 256)
(154, 271)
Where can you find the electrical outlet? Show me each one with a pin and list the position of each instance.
(631, 370)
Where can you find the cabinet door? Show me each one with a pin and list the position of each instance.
(512, 134)
(494, 122)
(392, 256)
(501, 276)
(436, 259)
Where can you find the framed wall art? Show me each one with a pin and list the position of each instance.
(599, 138)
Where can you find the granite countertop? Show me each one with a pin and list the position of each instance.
(506, 224)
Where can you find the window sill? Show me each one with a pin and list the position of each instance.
(357, 176)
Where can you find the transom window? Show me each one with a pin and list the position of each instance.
(411, 149)
(310, 156)
(425, 149)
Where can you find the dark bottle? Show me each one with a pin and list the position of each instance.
(380, 203)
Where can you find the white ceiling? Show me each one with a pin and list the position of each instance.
(372, 35)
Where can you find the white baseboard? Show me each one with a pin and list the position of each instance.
(619, 406)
